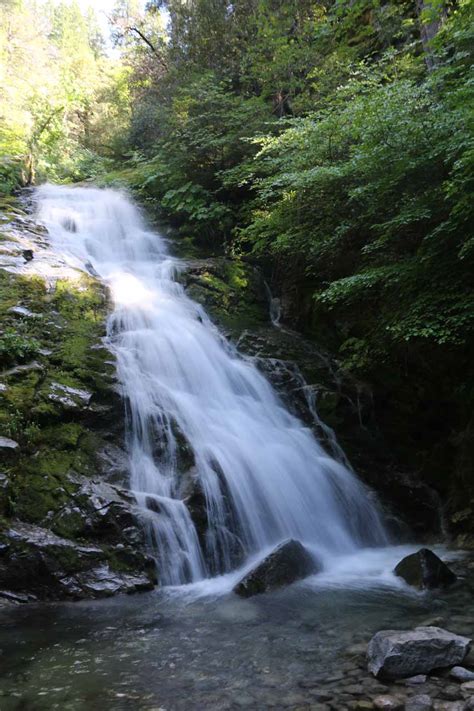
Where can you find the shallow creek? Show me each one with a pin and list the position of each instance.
(300, 648)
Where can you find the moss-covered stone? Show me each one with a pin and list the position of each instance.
(231, 290)
(57, 402)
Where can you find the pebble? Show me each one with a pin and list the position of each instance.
(419, 703)
(469, 705)
(387, 702)
(357, 650)
(461, 674)
(354, 690)
(468, 687)
(321, 695)
(449, 706)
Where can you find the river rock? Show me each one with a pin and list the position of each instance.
(415, 680)
(69, 398)
(461, 674)
(419, 703)
(288, 562)
(425, 570)
(396, 654)
(389, 702)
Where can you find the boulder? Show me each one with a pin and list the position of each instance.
(425, 570)
(395, 654)
(99, 511)
(288, 562)
(462, 674)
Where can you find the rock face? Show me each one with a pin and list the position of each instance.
(425, 570)
(396, 654)
(288, 562)
(68, 527)
(37, 564)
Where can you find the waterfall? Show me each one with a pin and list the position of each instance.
(259, 472)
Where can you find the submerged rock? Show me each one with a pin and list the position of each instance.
(425, 570)
(419, 703)
(395, 654)
(389, 702)
(288, 562)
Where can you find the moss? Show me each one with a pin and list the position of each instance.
(64, 435)
(232, 293)
(53, 441)
(36, 491)
(15, 289)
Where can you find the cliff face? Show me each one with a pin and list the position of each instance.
(68, 526)
(388, 426)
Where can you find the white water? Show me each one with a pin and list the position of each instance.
(264, 476)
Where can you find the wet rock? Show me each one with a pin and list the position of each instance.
(114, 464)
(100, 511)
(23, 312)
(449, 706)
(288, 562)
(389, 702)
(450, 693)
(461, 674)
(469, 659)
(33, 560)
(69, 398)
(468, 687)
(101, 581)
(419, 703)
(469, 705)
(397, 654)
(7, 444)
(27, 255)
(425, 570)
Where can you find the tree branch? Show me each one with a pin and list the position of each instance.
(149, 44)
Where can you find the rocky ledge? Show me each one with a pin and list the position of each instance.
(68, 526)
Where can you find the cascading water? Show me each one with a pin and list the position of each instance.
(260, 473)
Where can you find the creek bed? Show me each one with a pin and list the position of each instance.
(300, 648)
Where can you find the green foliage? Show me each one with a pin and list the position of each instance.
(62, 100)
(15, 348)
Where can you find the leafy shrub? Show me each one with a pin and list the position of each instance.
(15, 348)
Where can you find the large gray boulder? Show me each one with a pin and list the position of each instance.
(288, 562)
(424, 570)
(394, 654)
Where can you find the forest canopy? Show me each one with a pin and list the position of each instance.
(331, 139)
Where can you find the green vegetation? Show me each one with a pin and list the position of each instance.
(329, 141)
(61, 97)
